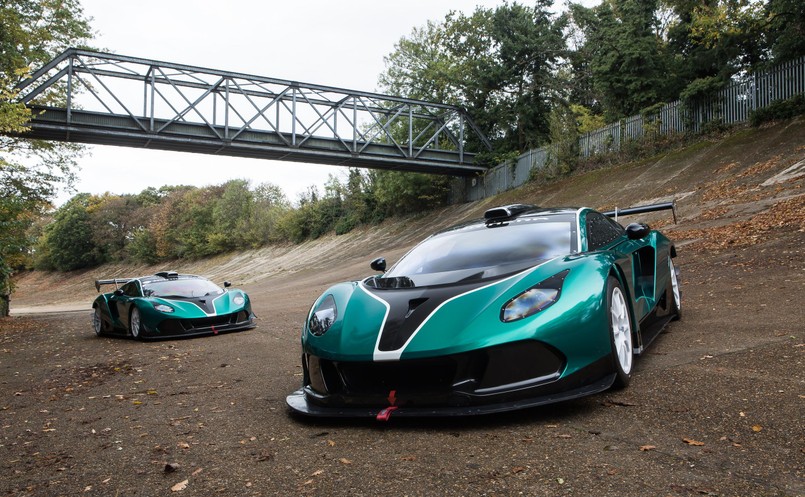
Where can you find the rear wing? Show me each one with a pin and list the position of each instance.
(116, 282)
(642, 209)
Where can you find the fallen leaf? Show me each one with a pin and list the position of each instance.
(180, 486)
(645, 448)
(757, 428)
(317, 472)
(183, 445)
(330, 443)
(344, 460)
(690, 441)
(197, 471)
(518, 469)
(408, 458)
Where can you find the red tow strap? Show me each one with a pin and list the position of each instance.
(385, 414)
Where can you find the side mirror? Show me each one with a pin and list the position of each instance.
(636, 231)
(118, 292)
(379, 264)
(227, 284)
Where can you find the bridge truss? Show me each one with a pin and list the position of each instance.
(94, 97)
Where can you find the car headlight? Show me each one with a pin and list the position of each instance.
(537, 298)
(163, 308)
(238, 300)
(323, 317)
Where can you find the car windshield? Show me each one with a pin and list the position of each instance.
(484, 252)
(186, 288)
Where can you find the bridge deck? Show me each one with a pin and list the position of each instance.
(93, 97)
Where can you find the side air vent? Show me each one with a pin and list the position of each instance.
(506, 212)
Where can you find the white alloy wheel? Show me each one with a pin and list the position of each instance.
(135, 324)
(621, 330)
(675, 286)
(97, 322)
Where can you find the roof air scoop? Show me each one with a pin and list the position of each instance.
(505, 212)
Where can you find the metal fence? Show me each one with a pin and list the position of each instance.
(731, 105)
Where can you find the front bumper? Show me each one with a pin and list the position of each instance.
(300, 403)
(502, 378)
(173, 328)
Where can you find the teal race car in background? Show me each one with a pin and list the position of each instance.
(168, 304)
(525, 307)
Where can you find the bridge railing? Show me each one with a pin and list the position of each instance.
(97, 97)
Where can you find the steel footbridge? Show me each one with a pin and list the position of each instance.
(101, 98)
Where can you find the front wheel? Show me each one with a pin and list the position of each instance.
(135, 324)
(620, 332)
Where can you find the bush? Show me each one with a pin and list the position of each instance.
(779, 109)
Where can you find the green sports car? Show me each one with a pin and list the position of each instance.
(525, 307)
(168, 304)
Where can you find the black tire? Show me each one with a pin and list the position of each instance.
(97, 322)
(135, 324)
(620, 333)
(675, 292)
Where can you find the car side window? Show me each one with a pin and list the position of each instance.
(131, 289)
(601, 230)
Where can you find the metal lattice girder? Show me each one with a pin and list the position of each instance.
(95, 97)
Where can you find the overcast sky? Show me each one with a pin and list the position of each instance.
(332, 43)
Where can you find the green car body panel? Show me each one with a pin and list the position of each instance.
(465, 324)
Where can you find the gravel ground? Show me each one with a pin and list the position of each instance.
(714, 408)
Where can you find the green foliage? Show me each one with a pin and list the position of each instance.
(784, 26)
(31, 33)
(628, 64)
(498, 63)
(779, 109)
(701, 88)
(68, 240)
(564, 140)
(400, 193)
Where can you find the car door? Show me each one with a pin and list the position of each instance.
(123, 300)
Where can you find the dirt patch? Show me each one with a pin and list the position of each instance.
(714, 407)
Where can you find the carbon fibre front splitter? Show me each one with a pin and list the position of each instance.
(299, 404)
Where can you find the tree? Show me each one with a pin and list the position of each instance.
(31, 33)
(785, 22)
(498, 63)
(68, 240)
(628, 62)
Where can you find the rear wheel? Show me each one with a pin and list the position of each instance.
(97, 321)
(620, 332)
(676, 302)
(135, 324)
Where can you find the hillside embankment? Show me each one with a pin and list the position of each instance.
(730, 190)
